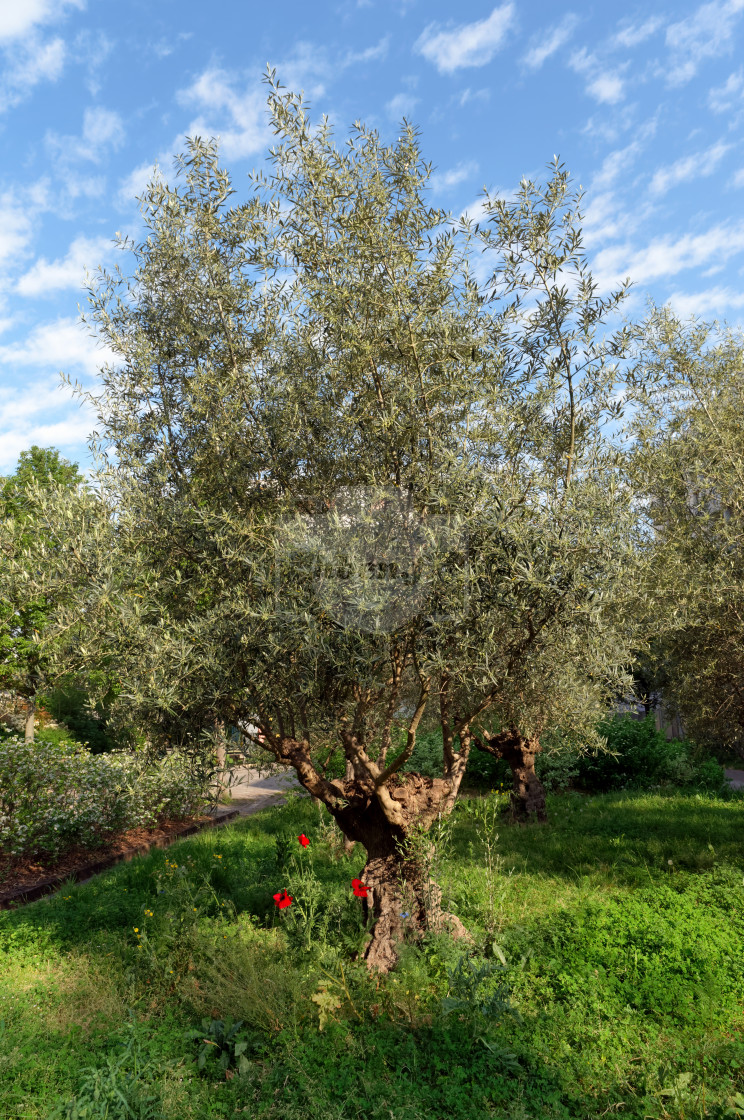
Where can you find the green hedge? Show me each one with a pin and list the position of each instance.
(637, 757)
(55, 795)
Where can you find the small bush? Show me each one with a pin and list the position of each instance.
(122, 1089)
(69, 706)
(56, 795)
(640, 757)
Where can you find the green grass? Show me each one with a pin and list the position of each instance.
(626, 971)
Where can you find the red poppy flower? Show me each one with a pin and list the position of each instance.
(359, 888)
(303, 839)
(282, 899)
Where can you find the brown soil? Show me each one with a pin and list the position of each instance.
(20, 876)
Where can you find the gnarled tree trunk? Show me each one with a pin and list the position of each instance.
(528, 794)
(390, 814)
(402, 898)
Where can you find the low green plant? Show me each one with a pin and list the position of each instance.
(120, 1089)
(478, 987)
(54, 795)
(69, 706)
(220, 1046)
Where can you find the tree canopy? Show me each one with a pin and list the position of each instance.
(24, 611)
(362, 474)
(690, 455)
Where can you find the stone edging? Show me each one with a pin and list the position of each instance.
(95, 867)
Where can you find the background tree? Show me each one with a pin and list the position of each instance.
(23, 613)
(352, 487)
(691, 461)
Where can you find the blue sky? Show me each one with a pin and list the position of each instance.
(646, 109)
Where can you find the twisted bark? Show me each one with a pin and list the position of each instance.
(390, 818)
(528, 794)
(402, 898)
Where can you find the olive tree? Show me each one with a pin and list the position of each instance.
(359, 476)
(690, 459)
(23, 610)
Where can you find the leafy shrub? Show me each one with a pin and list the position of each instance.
(69, 706)
(484, 771)
(427, 754)
(559, 763)
(639, 756)
(56, 795)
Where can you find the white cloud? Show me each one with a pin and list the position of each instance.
(19, 432)
(605, 216)
(602, 83)
(103, 129)
(307, 67)
(43, 62)
(707, 33)
(666, 256)
(469, 95)
(164, 47)
(726, 96)
(550, 43)
(606, 88)
(82, 186)
(476, 211)
(45, 277)
(214, 92)
(608, 128)
(371, 54)
(614, 164)
(235, 109)
(138, 179)
(62, 345)
(15, 227)
(696, 166)
(604, 219)
(402, 105)
(19, 17)
(738, 179)
(91, 49)
(634, 33)
(65, 437)
(445, 180)
(102, 132)
(29, 58)
(470, 44)
(710, 302)
(29, 64)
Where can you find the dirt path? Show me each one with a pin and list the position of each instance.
(250, 793)
(735, 778)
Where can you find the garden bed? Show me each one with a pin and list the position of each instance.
(24, 880)
(615, 930)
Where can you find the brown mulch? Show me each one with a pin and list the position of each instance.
(23, 879)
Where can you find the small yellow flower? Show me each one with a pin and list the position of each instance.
(136, 929)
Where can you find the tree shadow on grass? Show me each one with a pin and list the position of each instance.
(624, 835)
